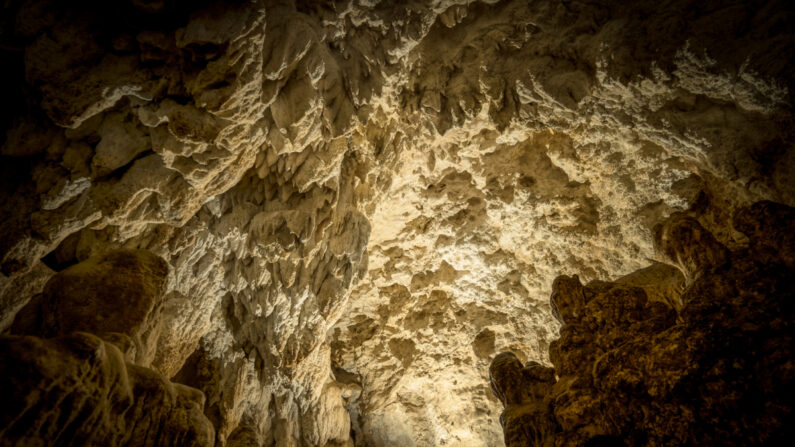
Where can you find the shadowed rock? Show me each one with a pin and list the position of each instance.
(78, 390)
(634, 372)
(523, 390)
(118, 296)
(383, 189)
(687, 245)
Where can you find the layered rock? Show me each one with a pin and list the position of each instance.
(632, 371)
(118, 296)
(146, 114)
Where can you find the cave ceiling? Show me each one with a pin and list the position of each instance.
(360, 203)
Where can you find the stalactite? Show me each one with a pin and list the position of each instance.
(328, 217)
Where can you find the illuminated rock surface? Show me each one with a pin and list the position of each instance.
(330, 216)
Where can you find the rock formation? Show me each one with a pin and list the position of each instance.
(80, 389)
(717, 370)
(329, 216)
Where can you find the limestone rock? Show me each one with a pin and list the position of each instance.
(523, 391)
(78, 389)
(632, 372)
(118, 296)
(361, 202)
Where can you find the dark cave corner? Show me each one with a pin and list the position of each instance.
(631, 370)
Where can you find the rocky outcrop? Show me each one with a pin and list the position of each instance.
(77, 388)
(118, 296)
(361, 202)
(631, 371)
(524, 391)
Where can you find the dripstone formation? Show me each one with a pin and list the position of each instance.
(76, 388)
(714, 369)
(318, 223)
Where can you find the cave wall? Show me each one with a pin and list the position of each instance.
(77, 370)
(629, 369)
(360, 203)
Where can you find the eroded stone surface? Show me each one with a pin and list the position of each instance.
(78, 390)
(118, 297)
(636, 372)
(362, 202)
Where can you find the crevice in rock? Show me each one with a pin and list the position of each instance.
(64, 256)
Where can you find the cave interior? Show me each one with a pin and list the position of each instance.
(470, 223)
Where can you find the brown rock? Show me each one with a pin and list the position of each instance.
(118, 296)
(523, 390)
(634, 373)
(385, 190)
(78, 390)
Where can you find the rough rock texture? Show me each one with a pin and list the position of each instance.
(361, 202)
(524, 391)
(78, 389)
(118, 296)
(545, 138)
(632, 371)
